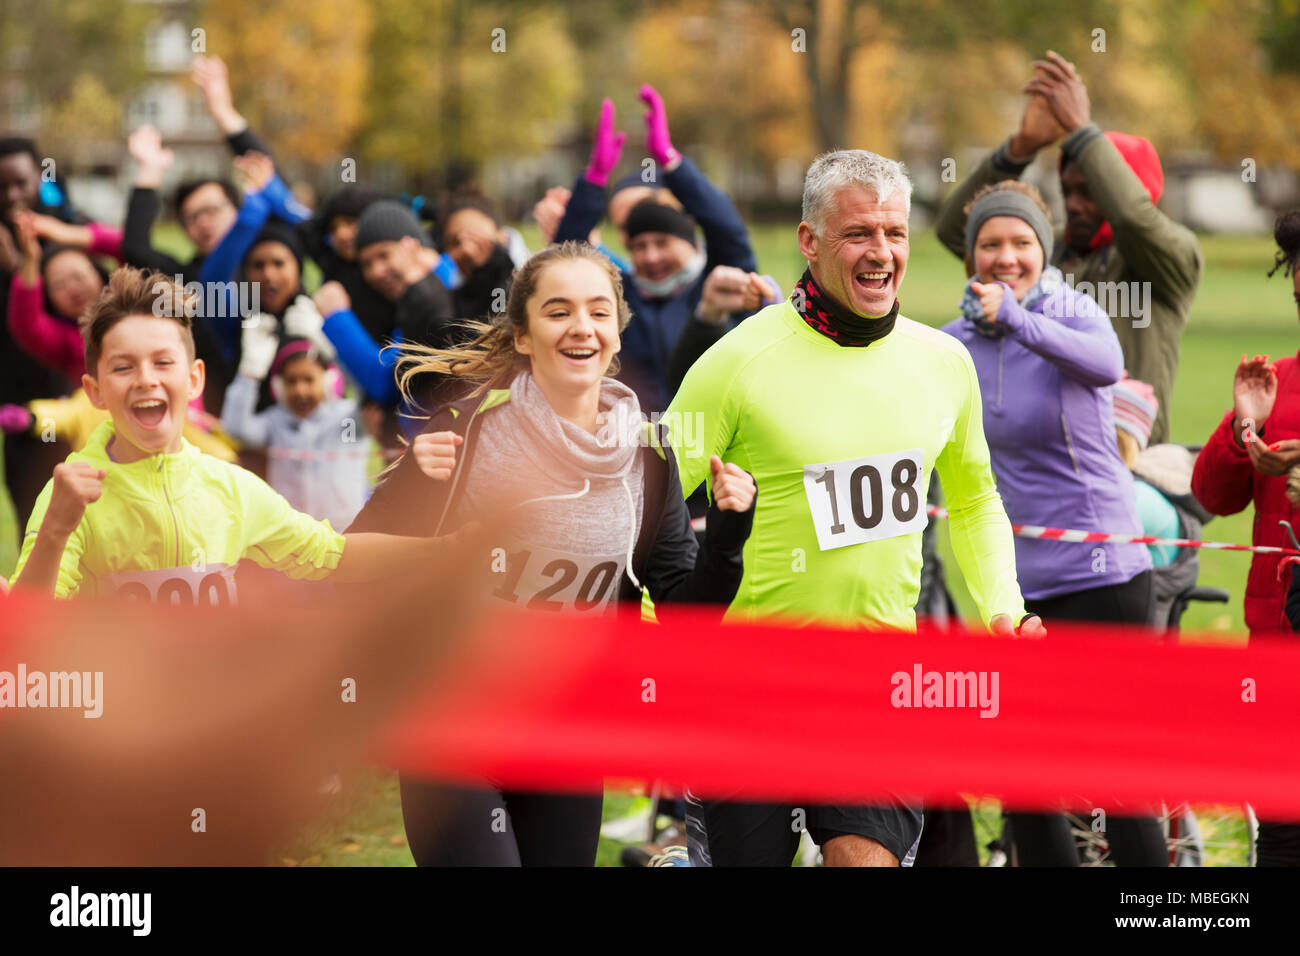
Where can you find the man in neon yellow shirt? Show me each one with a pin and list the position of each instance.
(140, 512)
(840, 408)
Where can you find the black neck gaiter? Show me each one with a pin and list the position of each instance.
(842, 326)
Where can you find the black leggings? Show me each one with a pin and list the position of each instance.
(1278, 844)
(1045, 839)
(463, 826)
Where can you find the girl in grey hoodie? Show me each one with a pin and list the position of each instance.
(548, 436)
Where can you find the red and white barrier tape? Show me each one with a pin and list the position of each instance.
(311, 454)
(1071, 534)
(1074, 535)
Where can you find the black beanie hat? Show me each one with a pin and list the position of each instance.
(651, 216)
(634, 179)
(277, 230)
(350, 202)
(388, 221)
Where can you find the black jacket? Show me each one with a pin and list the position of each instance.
(485, 289)
(374, 311)
(142, 210)
(666, 559)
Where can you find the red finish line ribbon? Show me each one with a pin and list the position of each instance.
(1090, 717)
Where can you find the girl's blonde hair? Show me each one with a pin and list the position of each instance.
(490, 357)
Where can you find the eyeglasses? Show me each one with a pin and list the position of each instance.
(204, 212)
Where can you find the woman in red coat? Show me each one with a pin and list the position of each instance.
(1247, 457)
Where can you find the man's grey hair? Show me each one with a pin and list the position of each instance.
(831, 172)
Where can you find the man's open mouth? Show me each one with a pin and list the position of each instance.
(873, 281)
(149, 412)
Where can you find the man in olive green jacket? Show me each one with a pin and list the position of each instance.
(1140, 265)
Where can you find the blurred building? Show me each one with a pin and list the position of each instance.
(99, 177)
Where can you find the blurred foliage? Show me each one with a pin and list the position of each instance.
(80, 60)
(56, 42)
(297, 68)
(453, 82)
(88, 115)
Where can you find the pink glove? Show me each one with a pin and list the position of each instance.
(607, 148)
(14, 419)
(657, 140)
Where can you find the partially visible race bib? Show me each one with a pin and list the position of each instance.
(214, 586)
(866, 499)
(542, 580)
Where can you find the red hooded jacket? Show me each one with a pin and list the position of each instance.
(1225, 482)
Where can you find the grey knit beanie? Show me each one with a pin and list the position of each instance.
(388, 221)
(1007, 203)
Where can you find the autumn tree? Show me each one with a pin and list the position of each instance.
(298, 71)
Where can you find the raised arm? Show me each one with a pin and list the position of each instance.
(365, 360)
(143, 206)
(587, 202)
(1223, 476)
(55, 344)
(725, 234)
(1039, 128)
(212, 78)
(50, 562)
(1072, 332)
(239, 409)
(1160, 250)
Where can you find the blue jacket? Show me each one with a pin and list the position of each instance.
(1050, 424)
(222, 265)
(657, 324)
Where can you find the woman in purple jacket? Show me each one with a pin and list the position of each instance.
(1046, 357)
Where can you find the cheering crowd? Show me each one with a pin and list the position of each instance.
(172, 427)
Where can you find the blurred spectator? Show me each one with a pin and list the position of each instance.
(1246, 459)
(667, 284)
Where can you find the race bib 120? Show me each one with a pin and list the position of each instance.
(543, 580)
(866, 499)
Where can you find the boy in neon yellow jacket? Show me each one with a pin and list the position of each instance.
(139, 511)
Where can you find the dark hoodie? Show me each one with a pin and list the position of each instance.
(375, 312)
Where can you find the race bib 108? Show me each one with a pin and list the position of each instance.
(866, 499)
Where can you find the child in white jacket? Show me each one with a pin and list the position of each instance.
(317, 449)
